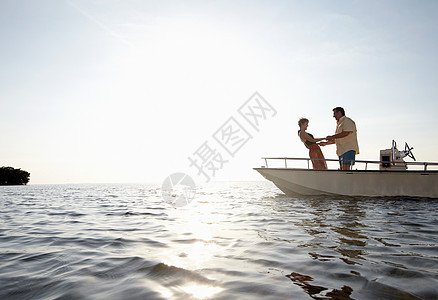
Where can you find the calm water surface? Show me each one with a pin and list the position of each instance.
(234, 241)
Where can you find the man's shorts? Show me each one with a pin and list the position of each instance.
(347, 158)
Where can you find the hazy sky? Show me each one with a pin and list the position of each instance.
(126, 91)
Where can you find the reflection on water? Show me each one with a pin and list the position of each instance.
(235, 240)
(313, 290)
(387, 247)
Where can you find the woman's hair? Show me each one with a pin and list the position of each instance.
(302, 121)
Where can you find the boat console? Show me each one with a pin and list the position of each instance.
(392, 159)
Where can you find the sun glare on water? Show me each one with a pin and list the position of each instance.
(202, 291)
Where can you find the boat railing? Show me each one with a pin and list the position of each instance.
(425, 165)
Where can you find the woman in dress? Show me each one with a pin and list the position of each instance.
(310, 142)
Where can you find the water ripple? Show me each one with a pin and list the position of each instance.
(235, 241)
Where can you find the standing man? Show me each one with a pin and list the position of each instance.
(345, 139)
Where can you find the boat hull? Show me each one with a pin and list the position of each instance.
(353, 183)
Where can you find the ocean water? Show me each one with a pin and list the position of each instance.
(238, 240)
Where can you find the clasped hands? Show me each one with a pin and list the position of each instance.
(329, 140)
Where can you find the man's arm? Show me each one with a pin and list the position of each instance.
(338, 136)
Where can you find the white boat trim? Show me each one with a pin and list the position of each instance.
(371, 183)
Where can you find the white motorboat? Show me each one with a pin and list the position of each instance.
(391, 178)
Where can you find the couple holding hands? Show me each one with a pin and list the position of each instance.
(345, 139)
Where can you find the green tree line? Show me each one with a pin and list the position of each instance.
(11, 176)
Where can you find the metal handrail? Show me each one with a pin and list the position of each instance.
(366, 162)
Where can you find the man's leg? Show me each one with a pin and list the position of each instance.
(346, 167)
(346, 160)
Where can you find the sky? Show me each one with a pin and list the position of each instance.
(127, 91)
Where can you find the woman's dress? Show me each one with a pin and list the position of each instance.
(316, 155)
